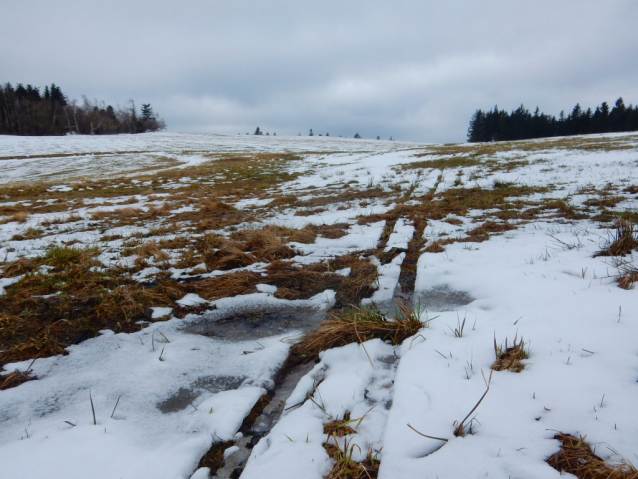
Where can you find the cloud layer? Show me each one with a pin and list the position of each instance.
(415, 70)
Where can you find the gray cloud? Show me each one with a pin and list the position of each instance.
(416, 70)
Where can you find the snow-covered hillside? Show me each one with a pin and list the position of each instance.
(160, 280)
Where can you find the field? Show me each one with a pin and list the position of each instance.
(177, 306)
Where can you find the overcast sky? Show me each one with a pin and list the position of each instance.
(413, 69)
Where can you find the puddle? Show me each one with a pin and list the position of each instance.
(184, 397)
(235, 463)
(442, 298)
(251, 325)
(237, 325)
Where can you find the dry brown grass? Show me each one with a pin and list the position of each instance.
(576, 457)
(20, 217)
(226, 286)
(604, 202)
(15, 378)
(347, 468)
(442, 163)
(45, 312)
(339, 427)
(491, 227)
(627, 275)
(214, 214)
(357, 325)
(100, 215)
(303, 282)
(214, 458)
(623, 242)
(266, 246)
(305, 235)
(29, 234)
(435, 247)
(72, 218)
(151, 249)
(509, 357)
(20, 266)
(174, 243)
(453, 221)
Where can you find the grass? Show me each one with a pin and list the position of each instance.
(20, 217)
(303, 282)
(15, 378)
(357, 325)
(509, 357)
(488, 228)
(434, 247)
(47, 311)
(462, 429)
(576, 457)
(627, 275)
(345, 467)
(29, 234)
(623, 241)
(442, 163)
(214, 458)
(340, 427)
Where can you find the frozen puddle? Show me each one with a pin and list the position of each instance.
(160, 395)
(253, 325)
(443, 298)
(184, 397)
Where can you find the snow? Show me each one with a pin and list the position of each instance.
(401, 235)
(6, 282)
(550, 304)
(159, 312)
(266, 288)
(388, 279)
(177, 391)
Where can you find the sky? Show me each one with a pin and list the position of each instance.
(415, 70)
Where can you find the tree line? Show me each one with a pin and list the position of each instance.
(25, 110)
(499, 125)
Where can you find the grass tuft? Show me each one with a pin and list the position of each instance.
(340, 427)
(576, 457)
(434, 247)
(15, 378)
(357, 325)
(20, 217)
(624, 240)
(64, 256)
(510, 357)
(346, 467)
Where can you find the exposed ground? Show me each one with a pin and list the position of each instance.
(170, 276)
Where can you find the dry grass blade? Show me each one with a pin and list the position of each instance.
(14, 379)
(429, 437)
(358, 324)
(510, 357)
(460, 428)
(576, 457)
